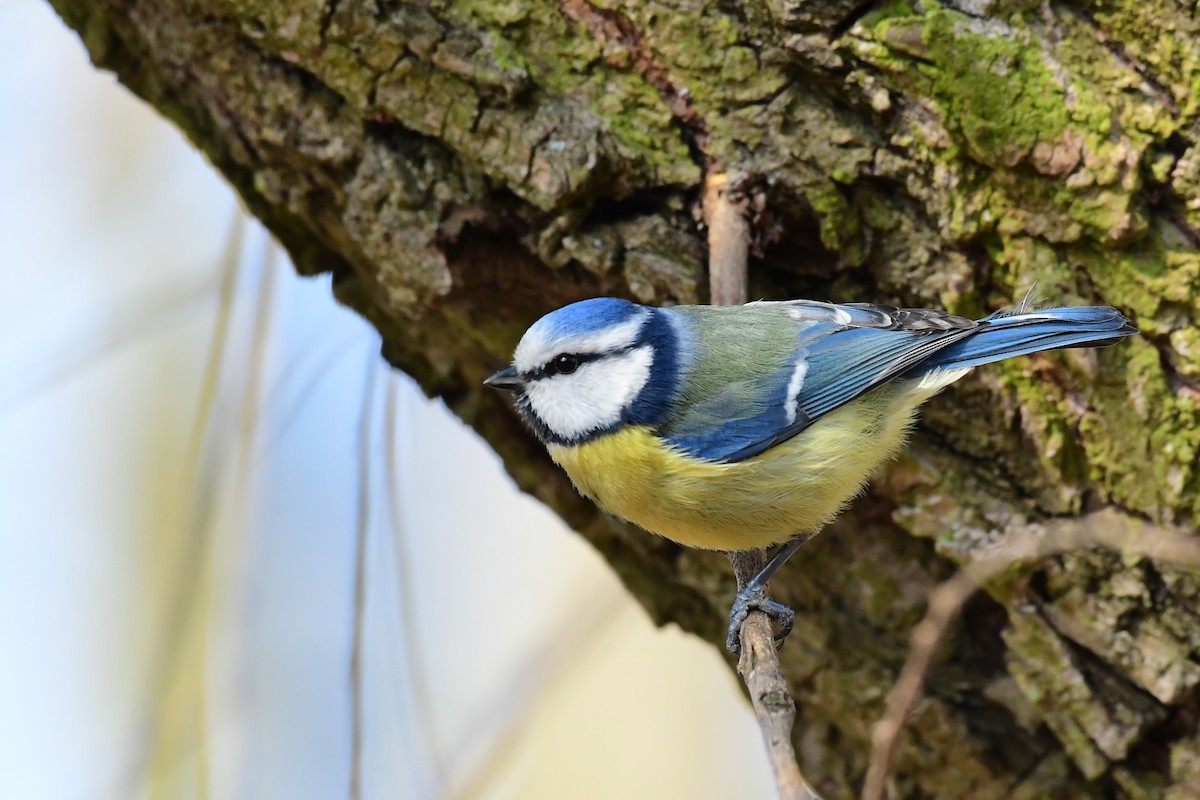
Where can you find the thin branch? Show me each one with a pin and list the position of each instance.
(229, 548)
(363, 523)
(422, 694)
(728, 242)
(769, 693)
(1105, 529)
(213, 550)
(728, 254)
(175, 660)
(217, 350)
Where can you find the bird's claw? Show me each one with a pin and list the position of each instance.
(754, 598)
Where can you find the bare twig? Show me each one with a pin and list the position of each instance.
(363, 525)
(198, 500)
(774, 707)
(225, 572)
(177, 684)
(769, 693)
(1105, 529)
(728, 252)
(422, 695)
(728, 242)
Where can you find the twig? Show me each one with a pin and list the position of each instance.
(366, 425)
(1107, 529)
(728, 242)
(769, 692)
(198, 500)
(728, 252)
(414, 652)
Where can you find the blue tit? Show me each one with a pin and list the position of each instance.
(742, 427)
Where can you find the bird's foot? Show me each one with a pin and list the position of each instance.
(754, 598)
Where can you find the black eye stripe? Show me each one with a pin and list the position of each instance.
(550, 369)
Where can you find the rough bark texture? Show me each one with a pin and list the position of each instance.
(462, 167)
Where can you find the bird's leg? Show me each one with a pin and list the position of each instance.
(752, 596)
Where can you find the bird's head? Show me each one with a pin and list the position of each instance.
(592, 367)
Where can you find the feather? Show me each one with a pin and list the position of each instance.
(1005, 336)
(684, 420)
(791, 490)
(767, 370)
(757, 375)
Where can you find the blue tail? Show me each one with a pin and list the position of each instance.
(1002, 337)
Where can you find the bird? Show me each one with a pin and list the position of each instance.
(741, 427)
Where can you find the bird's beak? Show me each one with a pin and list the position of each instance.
(507, 379)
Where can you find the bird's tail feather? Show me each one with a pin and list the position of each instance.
(1003, 336)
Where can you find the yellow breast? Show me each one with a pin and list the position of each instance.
(793, 488)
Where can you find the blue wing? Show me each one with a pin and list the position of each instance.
(834, 354)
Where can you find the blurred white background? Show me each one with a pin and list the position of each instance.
(193, 444)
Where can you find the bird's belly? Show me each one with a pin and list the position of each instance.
(793, 488)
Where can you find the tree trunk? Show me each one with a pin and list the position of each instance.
(463, 167)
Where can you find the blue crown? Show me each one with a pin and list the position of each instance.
(583, 317)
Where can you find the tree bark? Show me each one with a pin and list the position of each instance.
(463, 167)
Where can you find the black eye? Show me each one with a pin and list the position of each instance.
(564, 364)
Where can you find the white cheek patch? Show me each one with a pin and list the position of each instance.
(538, 345)
(593, 397)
